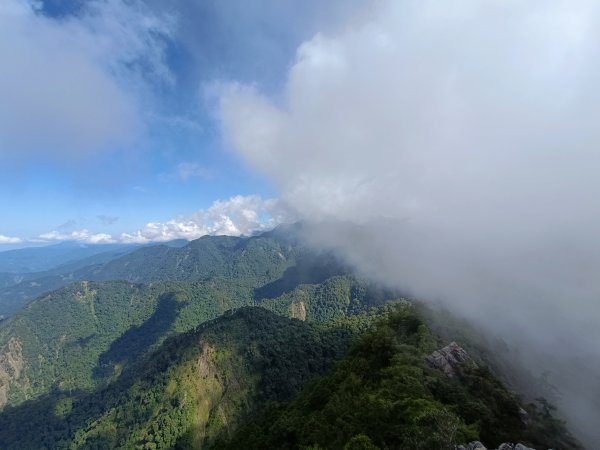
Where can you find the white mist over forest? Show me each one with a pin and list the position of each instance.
(465, 136)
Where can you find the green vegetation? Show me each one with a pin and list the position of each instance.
(196, 387)
(85, 334)
(259, 260)
(270, 263)
(178, 356)
(384, 395)
(252, 379)
(81, 335)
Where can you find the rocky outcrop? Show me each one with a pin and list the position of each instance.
(514, 447)
(448, 359)
(221, 383)
(298, 310)
(476, 445)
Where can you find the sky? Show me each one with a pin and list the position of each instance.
(109, 128)
(450, 149)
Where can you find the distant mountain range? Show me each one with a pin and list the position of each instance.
(40, 259)
(54, 266)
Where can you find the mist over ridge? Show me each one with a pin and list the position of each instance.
(463, 138)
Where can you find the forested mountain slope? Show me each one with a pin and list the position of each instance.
(195, 387)
(158, 359)
(16, 289)
(79, 336)
(234, 383)
(386, 394)
(82, 335)
(258, 260)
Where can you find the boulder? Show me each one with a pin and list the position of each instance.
(476, 445)
(448, 359)
(506, 447)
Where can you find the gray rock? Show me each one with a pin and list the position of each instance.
(524, 415)
(476, 445)
(448, 359)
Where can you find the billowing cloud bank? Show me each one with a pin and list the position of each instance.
(240, 215)
(465, 135)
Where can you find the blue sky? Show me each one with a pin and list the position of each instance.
(109, 109)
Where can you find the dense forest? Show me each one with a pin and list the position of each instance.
(383, 394)
(247, 343)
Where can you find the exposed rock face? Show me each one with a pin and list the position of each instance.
(11, 365)
(219, 381)
(514, 447)
(448, 359)
(209, 390)
(298, 310)
(476, 445)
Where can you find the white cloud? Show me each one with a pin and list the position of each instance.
(237, 216)
(76, 85)
(474, 127)
(9, 240)
(240, 215)
(79, 235)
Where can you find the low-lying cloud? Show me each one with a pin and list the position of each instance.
(464, 135)
(240, 215)
(83, 235)
(237, 216)
(9, 240)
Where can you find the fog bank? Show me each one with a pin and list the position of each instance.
(464, 137)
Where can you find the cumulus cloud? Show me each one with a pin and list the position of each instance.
(9, 240)
(240, 215)
(465, 136)
(237, 216)
(79, 235)
(76, 85)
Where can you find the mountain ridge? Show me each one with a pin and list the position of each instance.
(76, 363)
